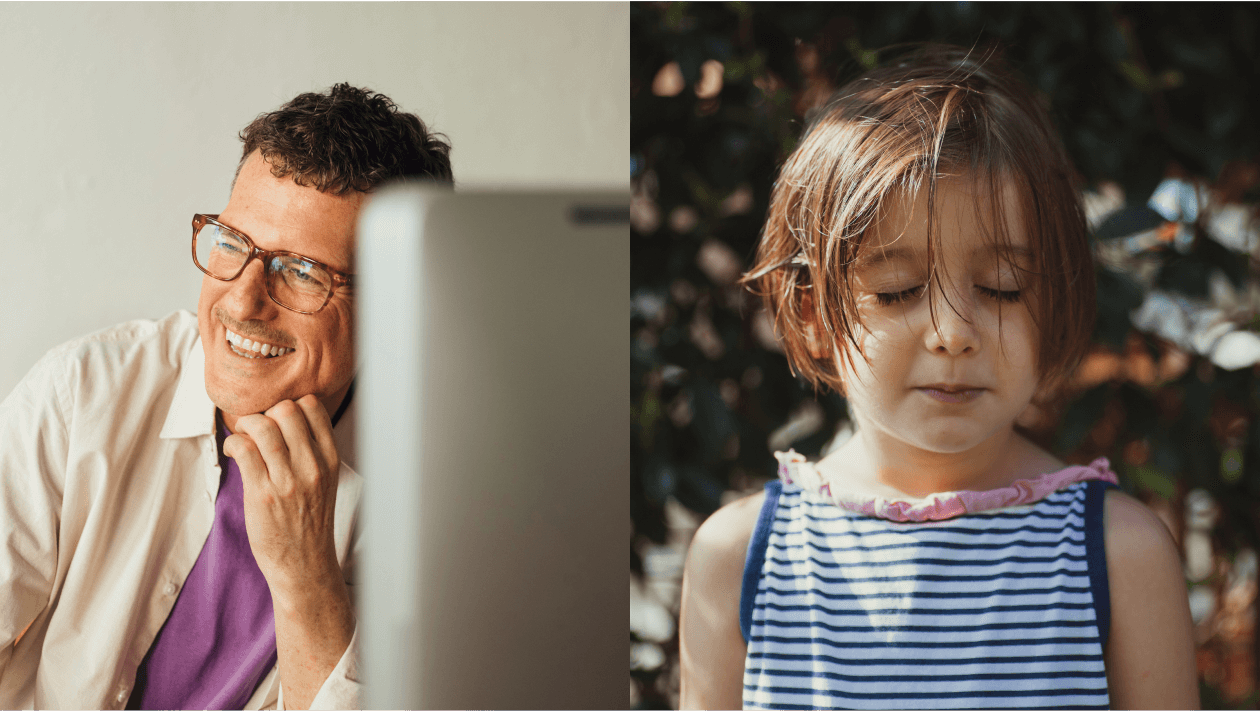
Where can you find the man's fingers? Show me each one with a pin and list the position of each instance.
(268, 441)
(242, 448)
(291, 439)
(321, 429)
(292, 421)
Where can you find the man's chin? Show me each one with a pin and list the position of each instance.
(233, 404)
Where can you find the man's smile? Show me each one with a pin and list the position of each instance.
(247, 348)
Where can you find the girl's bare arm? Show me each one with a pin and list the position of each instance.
(711, 645)
(1150, 651)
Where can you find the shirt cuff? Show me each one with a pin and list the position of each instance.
(342, 689)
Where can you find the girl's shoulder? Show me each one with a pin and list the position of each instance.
(714, 572)
(1135, 535)
(721, 542)
(1151, 628)
(711, 644)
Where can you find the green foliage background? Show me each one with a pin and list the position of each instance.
(1138, 92)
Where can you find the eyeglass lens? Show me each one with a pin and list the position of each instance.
(295, 282)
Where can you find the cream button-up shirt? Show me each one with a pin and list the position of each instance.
(109, 471)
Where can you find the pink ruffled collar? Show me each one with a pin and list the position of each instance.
(794, 469)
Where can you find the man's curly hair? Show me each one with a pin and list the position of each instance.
(346, 139)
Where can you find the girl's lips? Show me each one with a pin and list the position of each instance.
(952, 397)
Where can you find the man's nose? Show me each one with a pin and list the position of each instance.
(248, 292)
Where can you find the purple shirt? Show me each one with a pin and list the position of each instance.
(220, 638)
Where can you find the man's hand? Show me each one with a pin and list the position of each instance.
(289, 467)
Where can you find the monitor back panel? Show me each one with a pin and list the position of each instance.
(492, 439)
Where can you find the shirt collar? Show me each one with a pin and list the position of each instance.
(192, 412)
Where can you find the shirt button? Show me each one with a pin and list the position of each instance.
(122, 696)
(170, 589)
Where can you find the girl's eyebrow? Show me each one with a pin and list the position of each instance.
(877, 255)
(880, 255)
(1020, 252)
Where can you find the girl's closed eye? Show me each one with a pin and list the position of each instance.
(1010, 296)
(896, 297)
(889, 298)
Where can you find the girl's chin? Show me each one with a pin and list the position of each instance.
(944, 436)
(952, 440)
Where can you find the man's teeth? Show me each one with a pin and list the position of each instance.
(262, 349)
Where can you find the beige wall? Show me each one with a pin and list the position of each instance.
(119, 121)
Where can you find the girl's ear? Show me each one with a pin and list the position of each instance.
(821, 344)
(1030, 417)
(815, 339)
(1041, 405)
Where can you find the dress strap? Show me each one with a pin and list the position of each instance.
(756, 558)
(1096, 554)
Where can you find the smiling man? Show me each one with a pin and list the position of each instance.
(178, 513)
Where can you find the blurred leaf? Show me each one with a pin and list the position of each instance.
(1127, 221)
(1080, 417)
(1141, 417)
(713, 422)
(1165, 456)
(1231, 464)
(1197, 398)
(1185, 274)
(1118, 296)
(700, 489)
(659, 480)
(1206, 56)
(1235, 265)
(1153, 480)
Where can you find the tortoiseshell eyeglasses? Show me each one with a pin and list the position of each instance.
(293, 281)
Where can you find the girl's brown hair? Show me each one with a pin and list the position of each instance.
(937, 111)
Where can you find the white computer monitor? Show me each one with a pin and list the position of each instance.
(494, 377)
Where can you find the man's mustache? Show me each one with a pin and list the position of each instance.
(254, 333)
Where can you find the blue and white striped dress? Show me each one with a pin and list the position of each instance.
(999, 609)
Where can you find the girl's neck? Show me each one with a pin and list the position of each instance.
(875, 462)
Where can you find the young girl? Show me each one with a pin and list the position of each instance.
(925, 254)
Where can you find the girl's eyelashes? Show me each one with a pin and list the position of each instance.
(1006, 296)
(896, 297)
(888, 299)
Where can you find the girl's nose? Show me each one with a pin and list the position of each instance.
(955, 332)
